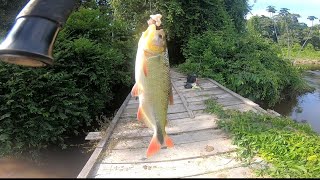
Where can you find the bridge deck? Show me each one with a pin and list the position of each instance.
(201, 149)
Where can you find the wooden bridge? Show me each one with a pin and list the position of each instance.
(201, 149)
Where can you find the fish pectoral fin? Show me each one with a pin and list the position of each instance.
(135, 90)
(168, 141)
(154, 146)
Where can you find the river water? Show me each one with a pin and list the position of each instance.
(304, 108)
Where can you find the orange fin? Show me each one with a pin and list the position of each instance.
(135, 90)
(139, 113)
(154, 146)
(168, 141)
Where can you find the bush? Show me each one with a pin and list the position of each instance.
(247, 64)
(291, 149)
(45, 105)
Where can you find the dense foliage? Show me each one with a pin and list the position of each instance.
(45, 105)
(247, 64)
(291, 149)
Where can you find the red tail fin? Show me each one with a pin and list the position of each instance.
(168, 141)
(154, 146)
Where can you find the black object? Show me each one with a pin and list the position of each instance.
(191, 78)
(30, 41)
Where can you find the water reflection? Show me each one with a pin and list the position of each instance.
(305, 108)
(54, 162)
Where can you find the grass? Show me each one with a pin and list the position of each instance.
(307, 56)
(292, 149)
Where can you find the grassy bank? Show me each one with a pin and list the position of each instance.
(307, 56)
(292, 149)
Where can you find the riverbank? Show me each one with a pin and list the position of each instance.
(306, 62)
(292, 149)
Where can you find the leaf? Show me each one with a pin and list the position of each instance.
(312, 158)
(53, 108)
(302, 168)
(5, 116)
(62, 115)
(3, 137)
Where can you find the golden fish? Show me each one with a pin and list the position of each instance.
(153, 86)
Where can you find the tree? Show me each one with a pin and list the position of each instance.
(311, 18)
(181, 19)
(284, 13)
(272, 10)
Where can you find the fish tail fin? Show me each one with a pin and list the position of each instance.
(154, 146)
(168, 141)
(156, 141)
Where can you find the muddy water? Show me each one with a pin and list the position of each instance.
(53, 163)
(306, 107)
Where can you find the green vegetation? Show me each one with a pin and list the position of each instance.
(95, 52)
(46, 105)
(247, 64)
(297, 40)
(308, 53)
(292, 149)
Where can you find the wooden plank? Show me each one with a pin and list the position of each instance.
(101, 146)
(207, 85)
(222, 96)
(191, 115)
(171, 169)
(178, 152)
(197, 106)
(212, 91)
(183, 138)
(180, 83)
(93, 136)
(137, 129)
(178, 116)
(233, 172)
(203, 81)
(229, 101)
(245, 100)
